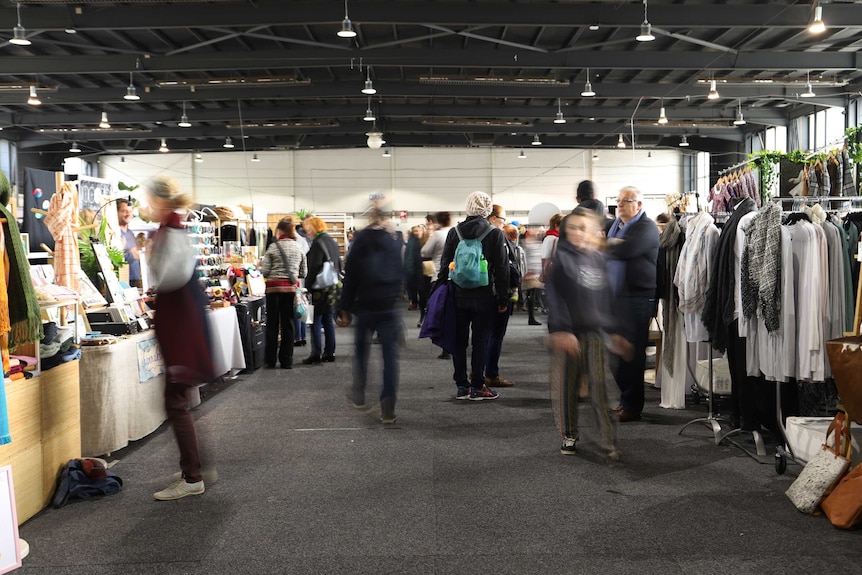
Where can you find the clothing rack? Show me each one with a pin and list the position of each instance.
(738, 165)
(711, 420)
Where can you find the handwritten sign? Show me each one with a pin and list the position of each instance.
(150, 362)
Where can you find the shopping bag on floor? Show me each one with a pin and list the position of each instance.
(824, 470)
(843, 506)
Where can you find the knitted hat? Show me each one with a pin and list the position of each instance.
(479, 204)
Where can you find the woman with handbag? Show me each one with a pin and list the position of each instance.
(322, 281)
(281, 265)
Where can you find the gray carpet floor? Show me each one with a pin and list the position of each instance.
(307, 484)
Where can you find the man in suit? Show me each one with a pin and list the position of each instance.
(632, 252)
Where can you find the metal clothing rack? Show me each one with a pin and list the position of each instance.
(711, 420)
(738, 165)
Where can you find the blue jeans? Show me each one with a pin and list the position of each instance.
(323, 319)
(299, 329)
(495, 342)
(478, 315)
(635, 313)
(387, 325)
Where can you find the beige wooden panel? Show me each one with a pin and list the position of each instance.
(61, 398)
(57, 450)
(27, 478)
(23, 400)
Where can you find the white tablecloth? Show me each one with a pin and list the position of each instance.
(116, 407)
(227, 344)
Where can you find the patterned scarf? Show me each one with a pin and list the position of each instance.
(25, 316)
(672, 246)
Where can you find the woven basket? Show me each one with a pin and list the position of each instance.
(845, 358)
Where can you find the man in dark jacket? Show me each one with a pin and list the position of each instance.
(371, 290)
(632, 253)
(476, 307)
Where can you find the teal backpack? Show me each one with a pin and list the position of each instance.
(470, 268)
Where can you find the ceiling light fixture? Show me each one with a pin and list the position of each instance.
(254, 158)
(559, 119)
(34, 100)
(228, 143)
(646, 28)
(369, 113)
(621, 143)
(809, 91)
(649, 155)
(74, 148)
(817, 26)
(131, 91)
(594, 27)
(347, 30)
(588, 87)
(662, 117)
(199, 158)
(163, 148)
(103, 123)
(19, 35)
(522, 155)
(740, 120)
(683, 143)
(375, 139)
(595, 156)
(369, 86)
(536, 141)
(387, 153)
(713, 91)
(184, 120)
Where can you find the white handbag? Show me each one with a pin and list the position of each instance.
(825, 469)
(327, 277)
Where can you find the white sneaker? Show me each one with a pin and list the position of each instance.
(179, 489)
(208, 475)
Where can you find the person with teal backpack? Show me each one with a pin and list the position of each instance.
(474, 258)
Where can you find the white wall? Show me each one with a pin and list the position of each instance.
(419, 180)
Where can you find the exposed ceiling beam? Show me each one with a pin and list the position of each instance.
(278, 12)
(445, 58)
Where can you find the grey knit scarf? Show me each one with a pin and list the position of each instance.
(672, 247)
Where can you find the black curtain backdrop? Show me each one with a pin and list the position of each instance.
(39, 188)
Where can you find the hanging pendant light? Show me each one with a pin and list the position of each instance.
(817, 26)
(199, 158)
(369, 113)
(74, 148)
(34, 100)
(662, 117)
(713, 91)
(184, 120)
(588, 87)
(559, 119)
(683, 143)
(595, 156)
(387, 153)
(347, 30)
(19, 35)
(369, 86)
(254, 158)
(228, 143)
(522, 155)
(646, 28)
(103, 123)
(131, 91)
(536, 141)
(809, 91)
(163, 148)
(739, 121)
(620, 142)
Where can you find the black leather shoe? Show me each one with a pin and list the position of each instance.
(328, 358)
(626, 416)
(311, 359)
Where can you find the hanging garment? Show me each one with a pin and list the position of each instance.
(761, 268)
(62, 212)
(670, 246)
(693, 272)
(718, 310)
(823, 177)
(848, 185)
(813, 183)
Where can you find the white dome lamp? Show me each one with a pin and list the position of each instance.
(375, 139)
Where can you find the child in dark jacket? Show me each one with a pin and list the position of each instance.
(580, 322)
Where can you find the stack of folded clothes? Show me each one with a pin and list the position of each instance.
(58, 346)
